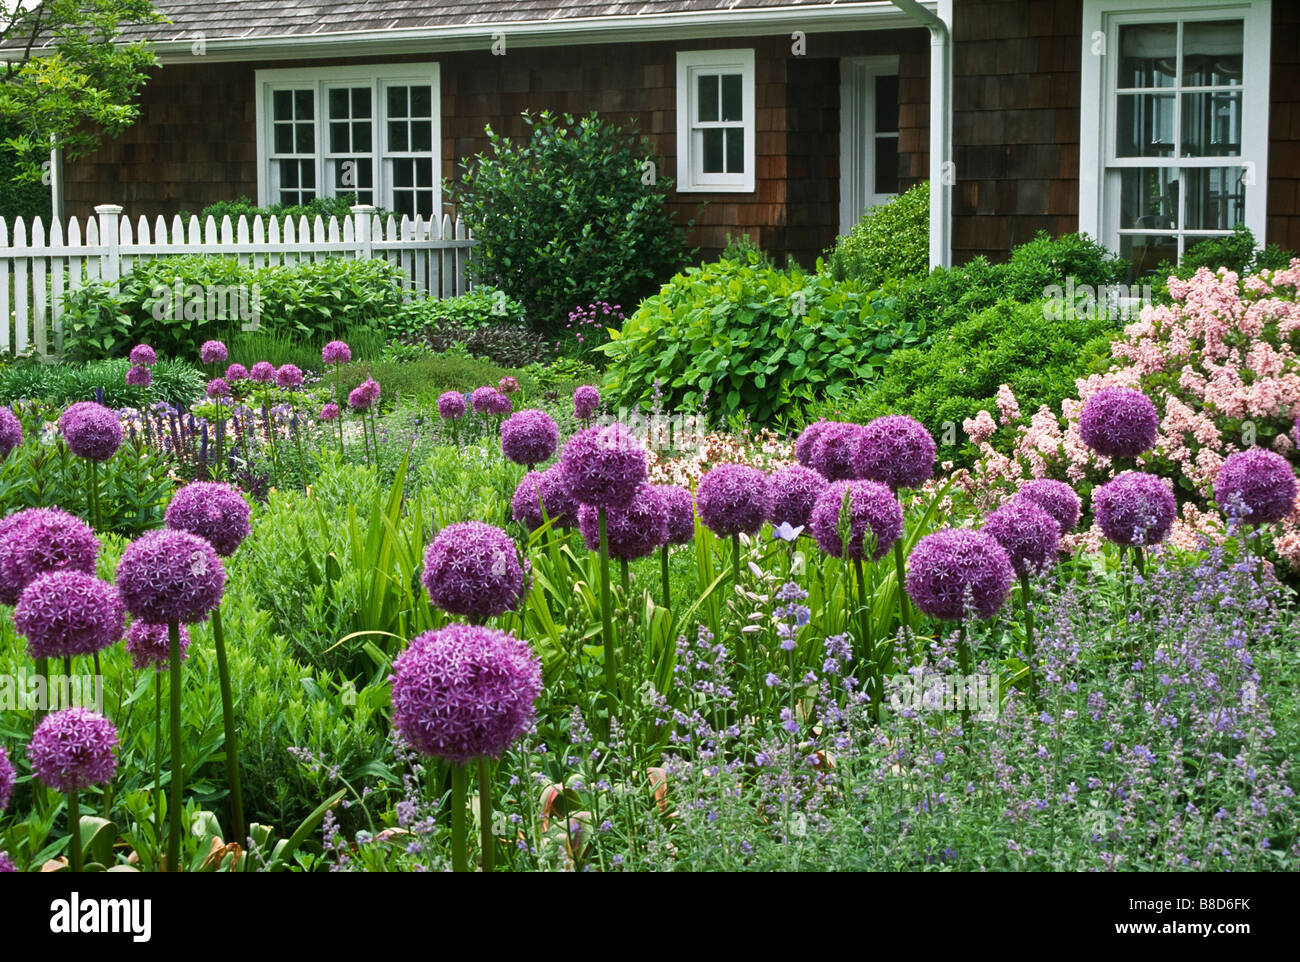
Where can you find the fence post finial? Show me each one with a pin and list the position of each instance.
(110, 242)
(363, 217)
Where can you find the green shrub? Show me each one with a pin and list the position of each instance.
(426, 377)
(27, 199)
(958, 373)
(891, 241)
(324, 207)
(176, 382)
(1237, 252)
(741, 246)
(756, 340)
(567, 217)
(484, 306)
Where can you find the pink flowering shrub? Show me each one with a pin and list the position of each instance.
(1220, 364)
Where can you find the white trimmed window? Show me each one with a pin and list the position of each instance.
(716, 132)
(370, 131)
(868, 135)
(1174, 124)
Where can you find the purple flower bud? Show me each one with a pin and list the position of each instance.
(11, 432)
(473, 569)
(143, 355)
(91, 430)
(603, 466)
(150, 645)
(138, 376)
(1056, 498)
(679, 512)
(1028, 534)
(896, 451)
(72, 750)
(791, 494)
(451, 405)
(633, 531)
(543, 488)
(289, 377)
(952, 568)
(336, 352)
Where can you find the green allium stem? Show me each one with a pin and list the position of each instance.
(74, 825)
(663, 574)
(903, 614)
(459, 823)
(157, 754)
(237, 825)
(607, 617)
(175, 806)
(1027, 603)
(485, 813)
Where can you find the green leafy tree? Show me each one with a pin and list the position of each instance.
(67, 81)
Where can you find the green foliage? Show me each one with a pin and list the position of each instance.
(27, 197)
(741, 246)
(426, 377)
(484, 306)
(324, 207)
(891, 241)
(1237, 252)
(249, 347)
(958, 373)
(176, 382)
(757, 341)
(565, 218)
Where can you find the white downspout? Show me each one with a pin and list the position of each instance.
(942, 167)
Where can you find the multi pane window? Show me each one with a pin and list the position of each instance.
(352, 131)
(715, 120)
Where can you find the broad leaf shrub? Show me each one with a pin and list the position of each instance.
(323, 207)
(568, 217)
(740, 338)
(484, 306)
(891, 241)
(1237, 252)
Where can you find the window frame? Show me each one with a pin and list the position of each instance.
(1099, 164)
(858, 129)
(320, 80)
(690, 176)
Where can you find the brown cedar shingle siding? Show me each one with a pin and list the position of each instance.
(1284, 129)
(195, 142)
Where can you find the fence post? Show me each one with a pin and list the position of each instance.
(110, 259)
(363, 217)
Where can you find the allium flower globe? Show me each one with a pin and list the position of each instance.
(732, 499)
(897, 451)
(679, 513)
(262, 372)
(529, 437)
(634, 530)
(586, 399)
(213, 352)
(336, 352)
(166, 576)
(508, 385)
(1134, 509)
(365, 395)
(836, 452)
(1119, 422)
(212, 510)
(473, 569)
(451, 405)
(39, 540)
(73, 749)
(7, 779)
(1056, 498)
(67, 613)
(540, 488)
(11, 432)
(791, 494)
(482, 400)
(150, 645)
(1261, 481)
(143, 355)
(329, 411)
(1029, 535)
(6, 864)
(138, 376)
(91, 430)
(464, 692)
(951, 568)
(603, 466)
(236, 373)
(873, 510)
(288, 376)
(807, 440)
(217, 388)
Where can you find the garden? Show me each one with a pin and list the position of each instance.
(630, 561)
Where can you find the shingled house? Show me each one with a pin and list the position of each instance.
(1146, 123)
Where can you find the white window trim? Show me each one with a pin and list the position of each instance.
(1096, 133)
(378, 76)
(858, 128)
(688, 180)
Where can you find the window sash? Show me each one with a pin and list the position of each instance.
(716, 154)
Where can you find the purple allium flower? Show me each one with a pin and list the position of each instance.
(679, 512)
(167, 576)
(482, 399)
(143, 356)
(150, 645)
(465, 692)
(791, 494)
(212, 510)
(11, 432)
(236, 373)
(507, 385)
(896, 451)
(543, 488)
(732, 499)
(1119, 422)
(500, 404)
(473, 569)
(603, 466)
(807, 440)
(336, 352)
(218, 388)
(1260, 480)
(585, 401)
(949, 568)
(451, 405)
(289, 376)
(872, 507)
(213, 352)
(329, 411)
(634, 530)
(6, 863)
(39, 540)
(91, 430)
(138, 376)
(364, 396)
(73, 749)
(1028, 534)
(836, 452)
(263, 371)
(529, 437)
(1056, 498)
(7, 779)
(1135, 508)
(69, 613)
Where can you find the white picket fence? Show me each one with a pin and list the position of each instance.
(38, 269)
